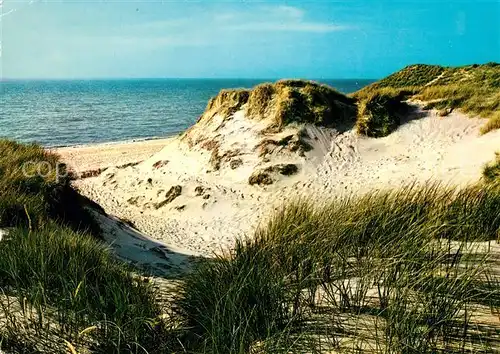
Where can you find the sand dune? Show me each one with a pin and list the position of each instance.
(194, 195)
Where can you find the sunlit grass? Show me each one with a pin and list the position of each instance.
(491, 171)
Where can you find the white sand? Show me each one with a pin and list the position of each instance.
(92, 157)
(447, 149)
(136, 248)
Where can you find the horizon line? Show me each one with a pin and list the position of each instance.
(179, 78)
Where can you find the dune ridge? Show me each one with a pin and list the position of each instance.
(242, 160)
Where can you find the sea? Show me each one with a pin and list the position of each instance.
(79, 112)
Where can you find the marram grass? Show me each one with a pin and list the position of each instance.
(285, 102)
(59, 287)
(491, 172)
(388, 271)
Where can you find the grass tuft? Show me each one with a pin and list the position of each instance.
(491, 172)
(231, 303)
(227, 102)
(390, 271)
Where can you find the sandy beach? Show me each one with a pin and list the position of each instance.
(99, 156)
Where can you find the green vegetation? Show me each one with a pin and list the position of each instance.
(227, 102)
(491, 172)
(474, 89)
(392, 272)
(411, 76)
(379, 114)
(34, 188)
(61, 283)
(59, 287)
(286, 102)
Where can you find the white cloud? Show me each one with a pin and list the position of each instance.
(276, 19)
(288, 27)
(288, 11)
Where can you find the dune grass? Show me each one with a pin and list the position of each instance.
(491, 172)
(492, 124)
(227, 102)
(412, 75)
(289, 101)
(380, 112)
(473, 89)
(389, 272)
(286, 102)
(35, 188)
(59, 287)
(66, 283)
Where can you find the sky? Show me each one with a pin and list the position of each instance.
(63, 39)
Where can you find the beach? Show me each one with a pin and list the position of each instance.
(249, 177)
(278, 201)
(86, 158)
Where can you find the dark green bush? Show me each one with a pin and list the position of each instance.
(380, 113)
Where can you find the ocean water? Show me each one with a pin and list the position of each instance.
(63, 113)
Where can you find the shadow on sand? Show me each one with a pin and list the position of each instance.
(146, 254)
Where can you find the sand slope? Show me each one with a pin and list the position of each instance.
(180, 196)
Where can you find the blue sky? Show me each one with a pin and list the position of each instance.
(264, 39)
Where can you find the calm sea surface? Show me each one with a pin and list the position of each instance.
(61, 113)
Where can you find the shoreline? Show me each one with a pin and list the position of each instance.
(114, 142)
